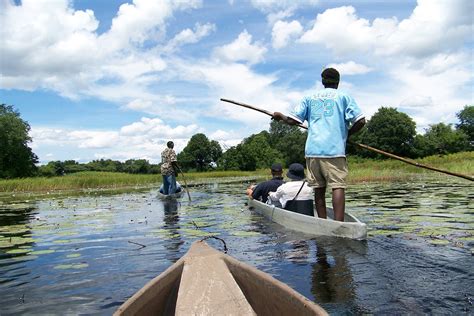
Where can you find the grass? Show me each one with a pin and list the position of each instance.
(361, 170)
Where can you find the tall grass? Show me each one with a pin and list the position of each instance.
(391, 169)
(360, 170)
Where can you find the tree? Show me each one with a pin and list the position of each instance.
(16, 157)
(257, 147)
(231, 158)
(466, 121)
(289, 141)
(391, 131)
(442, 139)
(199, 152)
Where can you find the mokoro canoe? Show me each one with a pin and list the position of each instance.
(350, 228)
(170, 196)
(208, 282)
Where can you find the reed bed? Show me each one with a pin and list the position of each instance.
(361, 170)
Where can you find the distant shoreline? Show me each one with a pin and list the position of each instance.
(360, 170)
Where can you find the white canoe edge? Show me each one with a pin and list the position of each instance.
(350, 228)
(208, 282)
(170, 196)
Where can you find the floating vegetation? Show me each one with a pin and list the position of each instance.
(439, 242)
(245, 233)
(25, 258)
(71, 266)
(73, 255)
(8, 242)
(18, 251)
(196, 232)
(42, 252)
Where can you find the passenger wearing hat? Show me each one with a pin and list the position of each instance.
(332, 116)
(260, 192)
(296, 189)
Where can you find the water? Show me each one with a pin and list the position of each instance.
(88, 254)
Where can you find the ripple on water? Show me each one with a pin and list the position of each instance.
(89, 254)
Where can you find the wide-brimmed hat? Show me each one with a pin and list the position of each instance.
(277, 167)
(296, 171)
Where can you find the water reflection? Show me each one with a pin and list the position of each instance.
(171, 223)
(331, 276)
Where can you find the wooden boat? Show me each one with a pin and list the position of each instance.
(173, 196)
(208, 282)
(350, 228)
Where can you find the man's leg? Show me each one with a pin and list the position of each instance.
(166, 185)
(172, 181)
(320, 201)
(338, 203)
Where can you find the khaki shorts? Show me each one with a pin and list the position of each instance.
(327, 172)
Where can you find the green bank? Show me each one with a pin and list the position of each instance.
(361, 170)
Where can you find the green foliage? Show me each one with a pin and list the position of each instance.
(136, 166)
(16, 157)
(289, 141)
(466, 121)
(442, 139)
(391, 131)
(199, 153)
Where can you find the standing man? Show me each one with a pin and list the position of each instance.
(169, 169)
(332, 116)
(260, 192)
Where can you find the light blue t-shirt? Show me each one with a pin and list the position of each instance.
(330, 114)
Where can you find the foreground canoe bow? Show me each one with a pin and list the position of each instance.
(208, 282)
(350, 228)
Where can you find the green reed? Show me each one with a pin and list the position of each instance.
(360, 170)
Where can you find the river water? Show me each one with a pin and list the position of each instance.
(87, 254)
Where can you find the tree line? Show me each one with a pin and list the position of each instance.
(388, 129)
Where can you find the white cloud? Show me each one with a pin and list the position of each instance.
(268, 6)
(241, 50)
(49, 45)
(350, 68)
(340, 30)
(189, 36)
(417, 101)
(433, 27)
(283, 32)
(94, 139)
(144, 139)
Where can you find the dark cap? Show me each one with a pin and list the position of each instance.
(277, 167)
(330, 75)
(296, 171)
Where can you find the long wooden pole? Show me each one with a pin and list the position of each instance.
(185, 183)
(411, 162)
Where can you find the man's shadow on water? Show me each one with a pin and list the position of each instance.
(171, 220)
(332, 280)
(331, 276)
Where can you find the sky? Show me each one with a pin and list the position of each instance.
(116, 79)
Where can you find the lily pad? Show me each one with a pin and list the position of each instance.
(71, 266)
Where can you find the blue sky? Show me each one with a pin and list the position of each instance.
(118, 79)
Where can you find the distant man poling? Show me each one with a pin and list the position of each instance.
(332, 116)
(169, 169)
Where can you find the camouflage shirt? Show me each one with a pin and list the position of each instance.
(167, 157)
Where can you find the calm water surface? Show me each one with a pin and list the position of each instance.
(88, 254)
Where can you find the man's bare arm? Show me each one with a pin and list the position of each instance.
(356, 127)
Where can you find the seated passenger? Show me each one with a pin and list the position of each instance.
(260, 191)
(295, 195)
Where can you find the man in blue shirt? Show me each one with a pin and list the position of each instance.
(260, 192)
(332, 116)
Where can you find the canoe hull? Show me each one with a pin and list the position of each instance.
(170, 196)
(350, 228)
(208, 282)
